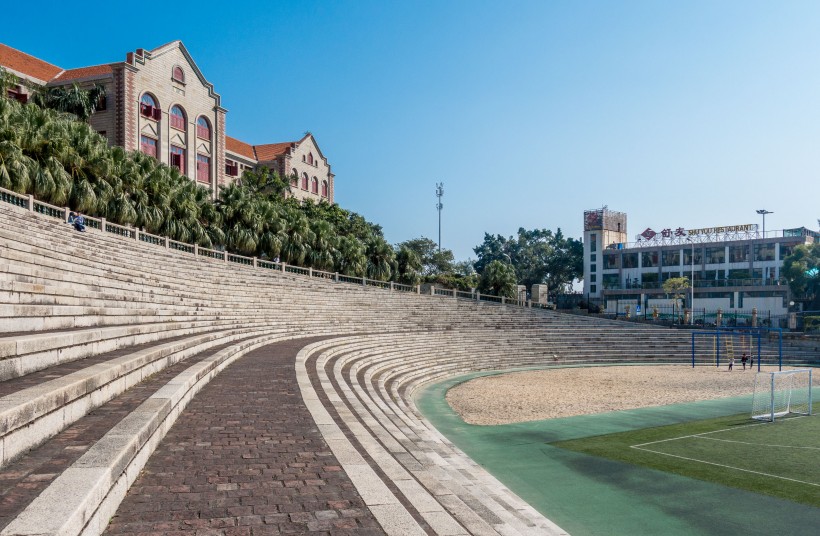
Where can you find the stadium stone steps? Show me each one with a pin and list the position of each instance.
(89, 320)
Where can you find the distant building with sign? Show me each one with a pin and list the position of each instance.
(735, 267)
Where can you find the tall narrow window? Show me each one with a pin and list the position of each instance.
(304, 181)
(148, 146)
(324, 188)
(310, 159)
(294, 178)
(177, 118)
(178, 158)
(203, 168)
(314, 186)
(203, 128)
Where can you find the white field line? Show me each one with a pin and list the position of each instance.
(757, 444)
(700, 436)
(696, 435)
(727, 466)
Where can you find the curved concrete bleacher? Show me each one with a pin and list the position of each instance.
(84, 317)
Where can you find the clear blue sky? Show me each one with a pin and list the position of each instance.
(681, 114)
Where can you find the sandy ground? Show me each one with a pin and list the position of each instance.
(548, 394)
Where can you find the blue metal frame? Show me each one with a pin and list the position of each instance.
(758, 331)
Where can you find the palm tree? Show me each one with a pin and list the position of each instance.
(264, 181)
(379, 258)
(323, 250)
(273, 235)
(498, 278)
(408, 266)
(72, 99)
(241, 218)
(14, 168)
(7, 80)
(298, 236)
(351, 258)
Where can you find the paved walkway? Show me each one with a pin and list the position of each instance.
(245, 458)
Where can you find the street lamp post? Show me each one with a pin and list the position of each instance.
(763, 213)
(692, 285)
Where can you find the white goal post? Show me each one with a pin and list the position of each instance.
(778, 394)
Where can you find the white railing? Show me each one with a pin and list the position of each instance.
(28, 202)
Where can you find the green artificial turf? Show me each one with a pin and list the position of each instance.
(781, 459)
(591, 495)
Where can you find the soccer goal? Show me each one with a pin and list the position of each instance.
(778, 394)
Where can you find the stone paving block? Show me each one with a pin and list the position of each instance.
(246, 427)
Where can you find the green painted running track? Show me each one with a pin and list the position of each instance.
(587, 495)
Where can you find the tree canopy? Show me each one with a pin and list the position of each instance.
(498, 278)
(71, 99)
(64, 162)
(802, 271)
(677, 287)
(538, 256)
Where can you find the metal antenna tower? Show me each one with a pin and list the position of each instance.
(439, 206)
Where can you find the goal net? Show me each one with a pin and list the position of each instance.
(780, 393)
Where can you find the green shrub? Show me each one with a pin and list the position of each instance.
(811, 323)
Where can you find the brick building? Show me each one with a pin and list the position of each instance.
(160, 103)
(301, 160)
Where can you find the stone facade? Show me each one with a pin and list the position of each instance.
(158, 101)
(301, 160)
(169, 76)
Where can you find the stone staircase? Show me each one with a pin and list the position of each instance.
(104, 341)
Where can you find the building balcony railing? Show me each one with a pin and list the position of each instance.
(699, 283)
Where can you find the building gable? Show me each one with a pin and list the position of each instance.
(181, 56)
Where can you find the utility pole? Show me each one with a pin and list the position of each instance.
(439, 206)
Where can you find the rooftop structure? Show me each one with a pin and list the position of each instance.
(733, 267)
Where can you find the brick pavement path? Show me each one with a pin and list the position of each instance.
(22, 481)
(245, 458)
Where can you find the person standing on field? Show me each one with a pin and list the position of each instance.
(743, 359)
(731, 362)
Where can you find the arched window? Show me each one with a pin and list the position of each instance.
(304, 181)
(294, 178)
(324, 188)
(149, 108)
(177, 74)
(310, 159)
(314, 186)
(149, 100)
(203, 128)
(177, 118)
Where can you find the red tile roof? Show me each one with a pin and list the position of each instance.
(239, 147)
(28, 65)
(272, 150)
(84, 72)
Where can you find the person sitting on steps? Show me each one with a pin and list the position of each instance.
(79, 223)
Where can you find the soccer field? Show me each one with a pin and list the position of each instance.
(781, 459)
